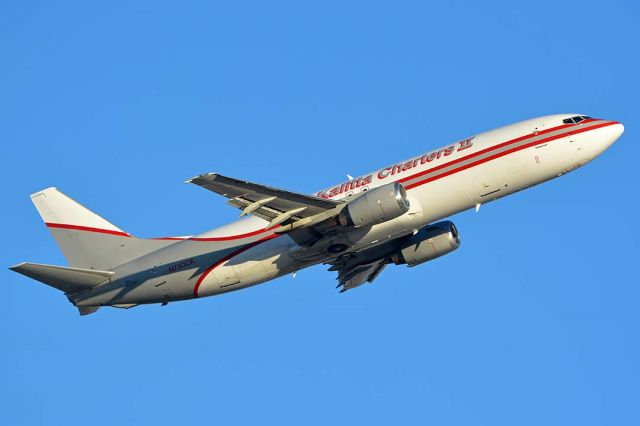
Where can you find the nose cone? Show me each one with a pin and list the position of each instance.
(616, 131)
(613, 133)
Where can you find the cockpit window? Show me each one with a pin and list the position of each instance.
(575, 120)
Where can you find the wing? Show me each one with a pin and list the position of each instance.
(353, 276)
(291, 210)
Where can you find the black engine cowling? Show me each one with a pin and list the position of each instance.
(376, 206)
(429, 243)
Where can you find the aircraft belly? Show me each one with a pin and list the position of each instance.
(151, 291)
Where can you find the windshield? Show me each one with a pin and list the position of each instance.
(575, 120)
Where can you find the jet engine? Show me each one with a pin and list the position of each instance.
(429, 243)
(375, 206)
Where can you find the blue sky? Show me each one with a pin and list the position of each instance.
(533, 321)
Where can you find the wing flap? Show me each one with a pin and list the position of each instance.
(254, 198)
(357, 275)
(295, 213)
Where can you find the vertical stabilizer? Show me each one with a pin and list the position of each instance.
(59, 210)
(87, 240)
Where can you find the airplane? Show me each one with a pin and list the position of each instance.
(393, 215)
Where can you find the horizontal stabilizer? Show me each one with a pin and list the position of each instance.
(69, 280)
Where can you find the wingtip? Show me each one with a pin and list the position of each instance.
(17, 266)
(204, 175)
(42, 191)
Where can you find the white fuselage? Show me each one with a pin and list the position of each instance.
(440, 183)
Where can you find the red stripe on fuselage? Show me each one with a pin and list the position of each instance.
(228, 257)
(573, 131)
(234, 237)
(124, 234)
(225, 238)
(494, 147)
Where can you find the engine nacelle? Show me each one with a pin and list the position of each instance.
(376, 206)
(429, 243)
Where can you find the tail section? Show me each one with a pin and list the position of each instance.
(87, 240)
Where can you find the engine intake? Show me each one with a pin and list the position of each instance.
(376, 206)
(429, 243)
